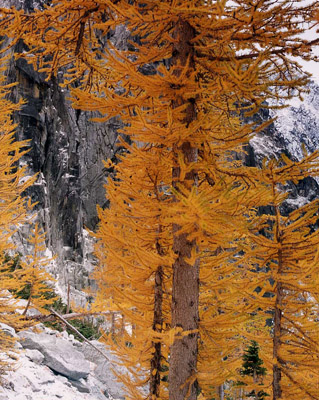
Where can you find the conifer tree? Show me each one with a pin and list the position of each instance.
(287, 260)
(13, 210)
(179, 192)
(32, 275)
(252, 366)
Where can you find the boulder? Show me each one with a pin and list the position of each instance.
(98, 390)
(21, 305)
(80, 385)
(59, 355)
(8, 330)
(103, 372)
(35, 356)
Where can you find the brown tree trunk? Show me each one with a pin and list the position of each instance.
(155, 379)
(68, 299)
(183, 355)
(276, 386)
(123, 325)
(113, 325)
(221, 392)
(185, 289)
(29, 301)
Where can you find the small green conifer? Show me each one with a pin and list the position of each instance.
(253, 366)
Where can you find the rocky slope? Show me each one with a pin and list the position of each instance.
(53, 365)
(294, 127)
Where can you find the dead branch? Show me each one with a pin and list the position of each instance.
(52, 316)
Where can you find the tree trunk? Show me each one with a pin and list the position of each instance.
(185, 290)
(29, 301)
(221, 392)
(155, 379)
(276, 386)
(68, 299)
(123, 325)
(113, 325)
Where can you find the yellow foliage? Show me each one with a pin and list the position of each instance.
(32, 275)
(179, 182)
(287, 278)
(12, 212)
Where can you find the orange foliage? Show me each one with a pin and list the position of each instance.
(179, 180)
(13, 210)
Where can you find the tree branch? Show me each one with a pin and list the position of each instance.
(52, 316)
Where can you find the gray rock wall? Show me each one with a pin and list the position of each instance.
(66, 151)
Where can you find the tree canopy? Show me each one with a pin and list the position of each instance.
(176, 245)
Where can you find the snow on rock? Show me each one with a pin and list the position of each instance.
(53, 365)
(299, 124)
(294, 128)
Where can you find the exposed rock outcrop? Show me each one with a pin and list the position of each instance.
(54, 365)
(59, 355)
(67, 151)
(103, 371)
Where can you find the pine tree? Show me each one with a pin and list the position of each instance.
(179, 193)
(252, 364)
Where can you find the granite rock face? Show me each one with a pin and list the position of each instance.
(67, 151)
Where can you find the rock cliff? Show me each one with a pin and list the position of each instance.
(66, 151)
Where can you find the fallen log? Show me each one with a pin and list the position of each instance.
(53, 316)
(80, 335)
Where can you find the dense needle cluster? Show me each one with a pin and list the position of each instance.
(182, 236)
(12, 213)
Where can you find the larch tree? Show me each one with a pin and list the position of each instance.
(32, 276)
(179, 192)
(13, 209)
(285, 253)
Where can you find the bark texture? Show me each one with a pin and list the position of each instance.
(155, 379)
(276, 387)
(185, 291)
